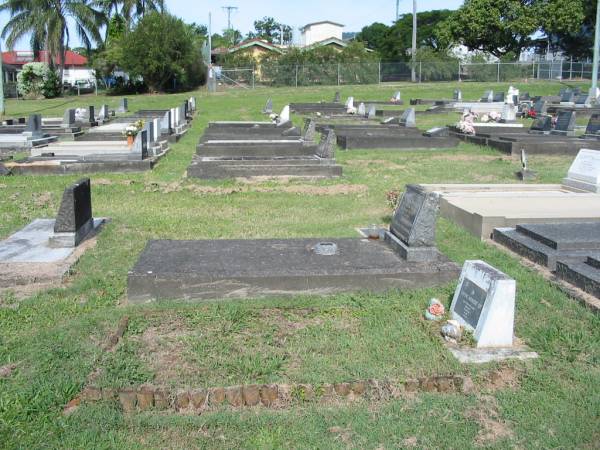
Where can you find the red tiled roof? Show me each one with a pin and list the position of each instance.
(19, 58)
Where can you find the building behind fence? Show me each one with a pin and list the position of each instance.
(426, 71)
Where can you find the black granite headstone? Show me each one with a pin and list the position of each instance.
(75, 209)
(542, 124)
(336, 98)
(470, 302)
(91, 114)
(593, 126)
(581, 99)
(414, 220)
(565, 122)
(498, 97)
(487, 97)
(540, 107)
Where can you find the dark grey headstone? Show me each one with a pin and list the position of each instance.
(408, 118)
(123, 106)
(457, 95)
(22, 120)
(565, 121)
(69, 118)
(582, 99)
(9, 121)
(390, 121)
(91, 114)
(542, 124)
(337, 97)
(593, 126)
(488, 96)
(568, 96)
(540, 106)
(498, 97)
(525, 97)
(326, 148)
(75, 209)
(34, 125)
(414, 220)
(310, 130)
(470, 302)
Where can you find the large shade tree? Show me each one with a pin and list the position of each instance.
(46, 23)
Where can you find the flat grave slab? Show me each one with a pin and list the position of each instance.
(242, 268)
(408, 141)
(585, 275)
(480, 208)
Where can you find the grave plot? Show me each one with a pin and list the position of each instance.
(479, 208)
(263, 153)
(40, 254)
(456, 97)
(403, 136)
(16, 138)
(395, 99)
(540, 140)
(404, 257)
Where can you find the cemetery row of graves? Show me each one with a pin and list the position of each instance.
(337, 253)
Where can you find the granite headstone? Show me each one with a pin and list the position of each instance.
(408, 118)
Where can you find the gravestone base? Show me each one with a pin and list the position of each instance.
(581, 185)
(585, 275)
(411, 254)
(66, 240)
(200, 270)
(470, 355)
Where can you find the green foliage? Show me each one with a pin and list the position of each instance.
(269, 30)
(570, 25)
(164, 52)
(497, 27)
(38, 80)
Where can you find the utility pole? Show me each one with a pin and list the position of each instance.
(594, 90)
(229, 10)
(397, 10)
(1, 84)
(413, 73)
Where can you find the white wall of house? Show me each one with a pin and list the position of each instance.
(320, 32)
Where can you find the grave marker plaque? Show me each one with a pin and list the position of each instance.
(414, 219)
(484, 303)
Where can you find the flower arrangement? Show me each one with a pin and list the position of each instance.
(133, 129)
(435, 311)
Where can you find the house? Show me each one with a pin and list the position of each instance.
(256, 48)
(317, 33)
(76, 65)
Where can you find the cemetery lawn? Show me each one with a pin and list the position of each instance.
(53, 340)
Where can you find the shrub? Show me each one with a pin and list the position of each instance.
(37, 80)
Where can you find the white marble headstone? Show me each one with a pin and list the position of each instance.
(484, 303)
(285, 114)
(362, 110)
(509, 113)
(397, 96)
(584, 173)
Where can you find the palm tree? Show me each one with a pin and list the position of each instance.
(47, 24)
(129, 9)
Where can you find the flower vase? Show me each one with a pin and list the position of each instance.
(130, 140)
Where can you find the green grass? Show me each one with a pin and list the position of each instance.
(55, 337)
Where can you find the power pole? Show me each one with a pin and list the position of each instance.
(596, 55)
(229, 10)
(1, 84)
(397, 10)
(413, 72)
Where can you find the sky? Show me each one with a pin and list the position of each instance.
(353, 14)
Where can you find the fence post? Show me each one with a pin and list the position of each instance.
(296, 75)
(420, 71)
(459, 71)
(533, 69)
(379, 73)
(571, 69)
(338, 78)
(498, 73)
(253, 71)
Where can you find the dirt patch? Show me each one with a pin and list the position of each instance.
(303, 189)
(102, 182)
(503, 378)
(382, 162)
(485, 178)
(470, 158)
(164, 347)
(337, 189)
(7, 371)
(42, 200)
(409, 442)
(492, 427)
(342, 434)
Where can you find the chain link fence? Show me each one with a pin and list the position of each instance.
(273, 74)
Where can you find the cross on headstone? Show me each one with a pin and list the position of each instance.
(408, 118)
(484, 303)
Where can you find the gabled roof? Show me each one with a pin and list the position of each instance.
(255, 43)
(19, 58)
(308, 25)
(329, 41)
